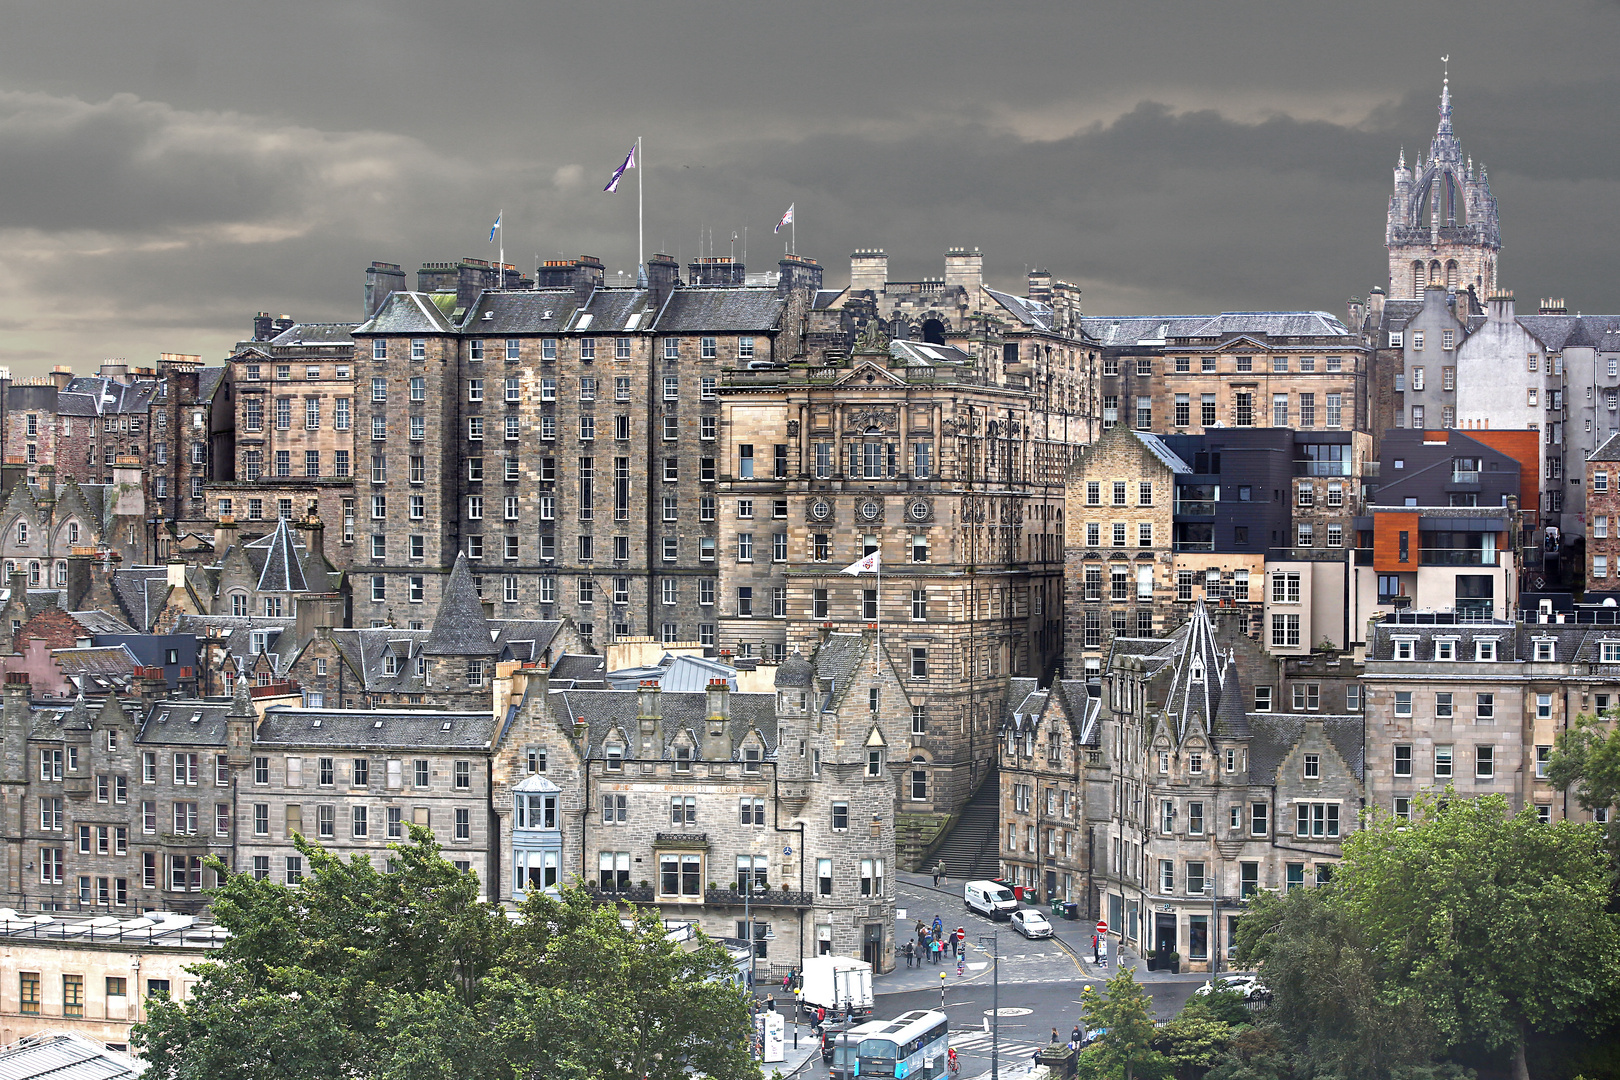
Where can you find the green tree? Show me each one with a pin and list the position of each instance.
(1193, 1041)
(1326, 987)
(409, 974)
(1587, 758)
(1490, 926)
(1123, 1012)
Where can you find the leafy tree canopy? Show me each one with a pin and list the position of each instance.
(410, 975)
(1123, 1011)
(1465, 927)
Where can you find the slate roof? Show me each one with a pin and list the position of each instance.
(103, 668)
(315, 334)
(102, 622)
(66, 1056)
(673, 673)
(98, 395)
(1515, 641)
(1270, 324)
(602, 710)
(584, 671)
(1273, 737)
(1558, 332)
(376, 729)
(540, 311)
(181, 722)
(1140, 329)
(365, 650)
(460, 627)
(209, 380)
(526, 640)
(283, 569)
(407, 313)
(925, 354)
(234, 634)
(794, 672)
(691, 310)
(141, 591)
(615, 310)
(1608, 449)
(1159, 449)
(1026, 311)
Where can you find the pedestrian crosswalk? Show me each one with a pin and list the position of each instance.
(977, 1043)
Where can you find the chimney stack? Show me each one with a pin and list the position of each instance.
(716, 733)
(663, 274)
(383, 279)
(868, 270)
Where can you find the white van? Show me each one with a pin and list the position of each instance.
(989, 899)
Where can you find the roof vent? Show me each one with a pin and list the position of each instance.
(317, 722)
(445, 726)
(488, 315)
(546, 314)
(377, 724)
(196, 716)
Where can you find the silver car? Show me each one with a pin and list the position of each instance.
(1031, 923)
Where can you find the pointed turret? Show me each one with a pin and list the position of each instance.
(460, 627)
(239, 723)
(283, 567)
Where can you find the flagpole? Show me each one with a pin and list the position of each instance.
(641, 168)
(500, 228)
(876, 669)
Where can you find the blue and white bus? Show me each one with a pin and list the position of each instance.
(914, 1044)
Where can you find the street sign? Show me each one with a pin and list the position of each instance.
(1102, 926)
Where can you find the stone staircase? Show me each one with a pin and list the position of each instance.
(970, 850)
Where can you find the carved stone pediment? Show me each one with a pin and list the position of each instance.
(885, 419)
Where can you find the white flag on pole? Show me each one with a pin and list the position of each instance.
(868, 565)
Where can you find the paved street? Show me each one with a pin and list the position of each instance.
(1040, 982)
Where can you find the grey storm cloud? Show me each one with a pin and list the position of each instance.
(166, 172)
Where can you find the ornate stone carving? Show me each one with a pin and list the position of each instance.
(884, 419)
(793, 428)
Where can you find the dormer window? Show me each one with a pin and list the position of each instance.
(1405, 648)
(1544, 649)
(614, 754)
(1484, 648)
(874, 762)
(751, 759)
(683, 759)
(1445, 648)
(1609, 652)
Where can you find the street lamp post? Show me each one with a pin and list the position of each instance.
(1214, 928)
(995, 1004)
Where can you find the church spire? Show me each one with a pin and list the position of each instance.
(1445, 106)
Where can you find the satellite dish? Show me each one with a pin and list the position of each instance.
(1608, 601)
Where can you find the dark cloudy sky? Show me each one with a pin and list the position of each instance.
(169, 167)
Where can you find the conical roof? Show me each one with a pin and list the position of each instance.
(793, 672)
(78, 718)
(460, 627)
(283, 569)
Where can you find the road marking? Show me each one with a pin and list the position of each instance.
(1008, 1011)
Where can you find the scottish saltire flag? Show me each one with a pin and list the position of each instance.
(868, 565)
(787, 218)
(493, 227)
(629, 163)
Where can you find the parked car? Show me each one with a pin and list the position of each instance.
(1031, 923)
(1249, 987)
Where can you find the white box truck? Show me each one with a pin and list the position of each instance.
(838, 984)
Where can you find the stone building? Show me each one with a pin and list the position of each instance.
(1210, 801)
(1119, 579)
(1442, 224)
(1051, 769)
(283, 430)
(91, 976)
(1303, 370)
(1477, 705)
(689, 800)
(1603, 516)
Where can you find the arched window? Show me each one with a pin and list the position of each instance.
(919, 778)
(1451, 274)
(22, 532)
(1435, 272)
(933, 331)
(61, 571)
(33, 572)
(1417, 281)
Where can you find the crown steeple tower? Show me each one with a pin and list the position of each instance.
(1442, 225)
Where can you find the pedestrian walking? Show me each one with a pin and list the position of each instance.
(939, 927)
(936, 877)
(909, 955)
(943, 876)
(933, 951)
(1096, 957)
(1074, 1036)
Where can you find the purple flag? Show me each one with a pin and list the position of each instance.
(629, 163)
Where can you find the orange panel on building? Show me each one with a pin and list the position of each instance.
(1525, 448)
(1387, 529)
